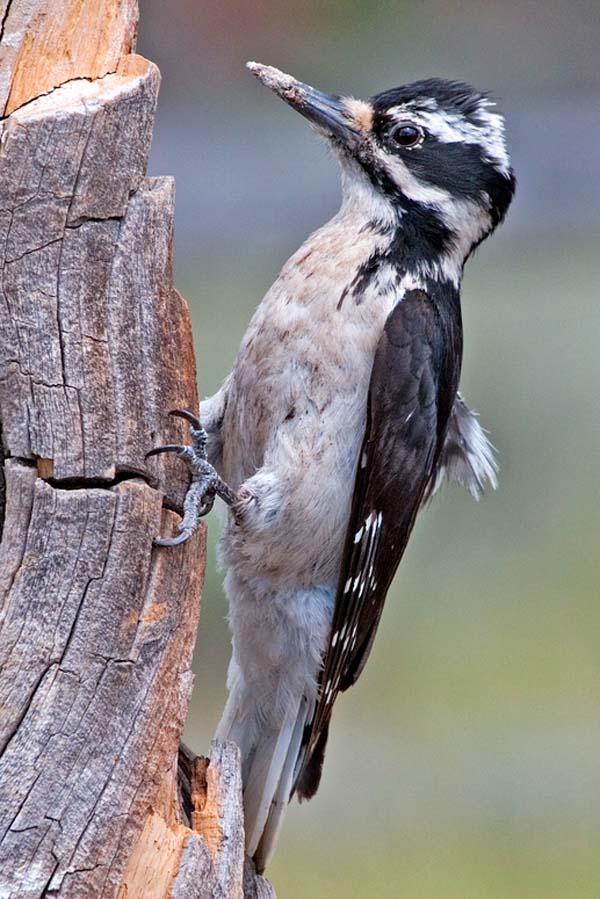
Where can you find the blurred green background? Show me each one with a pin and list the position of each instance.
(466, 763)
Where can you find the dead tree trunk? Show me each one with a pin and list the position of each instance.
(97, 627)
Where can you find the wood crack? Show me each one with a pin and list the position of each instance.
(2, 485)
(48, 43)
(4, 18)
(51, 90)
(101, 483)
(8, 737)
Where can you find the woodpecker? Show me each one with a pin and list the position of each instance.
(342, 416)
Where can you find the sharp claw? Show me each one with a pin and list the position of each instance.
(168, 448)
(206, 506)
(173, 541)
(189, 416)
(200, 496)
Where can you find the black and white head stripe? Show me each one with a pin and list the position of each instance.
(428, 164)
(450, 112)
(462, 152)
(427, 159)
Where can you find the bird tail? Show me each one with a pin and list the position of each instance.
(270, 759)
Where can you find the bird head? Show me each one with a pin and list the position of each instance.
(430, 155)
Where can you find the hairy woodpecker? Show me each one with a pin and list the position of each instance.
(341, 417)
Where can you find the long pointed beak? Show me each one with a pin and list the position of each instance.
(325, 111)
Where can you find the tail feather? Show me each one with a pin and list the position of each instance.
(263, 779)
(309, 774)
(273, 686)
(269, 765)
(272, 828)
(240, 728)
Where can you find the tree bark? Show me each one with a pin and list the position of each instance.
(97, 626)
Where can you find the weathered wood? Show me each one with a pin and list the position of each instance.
(256, 886)
(2, 484)
(206, 860)
(90, 365)
(44, 43)
(218, 815)
(97, 626)
(96, 640)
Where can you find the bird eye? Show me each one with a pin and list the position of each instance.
(407, 135)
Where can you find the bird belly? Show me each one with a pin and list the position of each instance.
(295, 421)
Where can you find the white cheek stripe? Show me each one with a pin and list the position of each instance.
(452, 128)
(411, 186)
(467, 220)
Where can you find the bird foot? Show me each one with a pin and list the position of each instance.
(205, 484)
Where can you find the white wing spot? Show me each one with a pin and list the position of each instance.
(358, 535)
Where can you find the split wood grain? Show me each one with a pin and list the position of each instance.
(96, 642)
(90, 365)
(205, 861)
(45, 43)
(2, 484)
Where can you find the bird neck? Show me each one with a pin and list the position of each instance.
(407, 249)
(423, 238)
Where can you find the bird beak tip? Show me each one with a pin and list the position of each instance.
(323, 110)
(271, 77)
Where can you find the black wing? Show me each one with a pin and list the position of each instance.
(413, 384)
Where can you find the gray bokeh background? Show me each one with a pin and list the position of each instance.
(465, 764)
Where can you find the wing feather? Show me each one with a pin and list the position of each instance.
(412, 388)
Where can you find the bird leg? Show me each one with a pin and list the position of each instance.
(205, 484)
